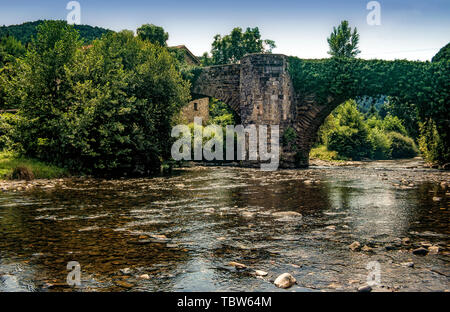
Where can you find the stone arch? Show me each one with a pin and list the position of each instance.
(221, 82)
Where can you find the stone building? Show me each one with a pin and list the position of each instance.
(196, 108)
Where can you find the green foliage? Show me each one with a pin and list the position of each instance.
(351, 136)
(10, 49)
(7, 123)
(401, 146)
(432, 143)
(380, 144)
(231, 48)
(421, 85)
(10, 161)
(343, 42)
(322, 152)
(393, 124)
(27, 31)
(221, 113)
(154, 34)
(107, 109)
(443, 54)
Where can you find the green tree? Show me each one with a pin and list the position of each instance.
(231, 48)
(154, 34)
(107, 109)
(10, 49)
(343, 41)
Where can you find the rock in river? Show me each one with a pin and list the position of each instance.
(420, 251)
(433, 250)
(285, 280)
(260, 273)
(237, 265)
(355, 246)
(365, 289)
(286, 214)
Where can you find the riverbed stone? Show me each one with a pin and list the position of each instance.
(261, 273)
(286, 214)
(407, 264)
(237, 265)
(366, 288)
(284, 281)
(420, 251)
(433, 250)
(355, 246)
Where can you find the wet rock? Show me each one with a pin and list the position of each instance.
(144, 276)
(420, 251)
(286, 214)
(355, 246)
(435, 198)
(365, 289)
(261, 273)
(407, 264)
(330, 227)
(367, 249)
(406, 241)
(284, 281)
(123, 284)
(433, 250)
(237, 265)
(125, 271)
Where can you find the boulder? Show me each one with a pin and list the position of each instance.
(285, 280)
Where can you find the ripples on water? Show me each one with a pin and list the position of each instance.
(211, 216)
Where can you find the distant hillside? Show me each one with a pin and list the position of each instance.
(26, 31)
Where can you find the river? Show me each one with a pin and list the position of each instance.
(180, 232)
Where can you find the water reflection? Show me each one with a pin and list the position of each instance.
(181, 231)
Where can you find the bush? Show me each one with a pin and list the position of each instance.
(401, 146)
(431, 143)
(381, 145)
(322, 152)
(393, 124)
(106, 110)
(7, 122)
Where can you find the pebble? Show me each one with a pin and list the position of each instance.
(123, 284)
(433, 250)
(144, 276)
(420, 251)
(408, 264)
(365, 289)
(355, 246)
(367, 249)
(237, 265)
(261, 273)
(287, 214)
(284, 281)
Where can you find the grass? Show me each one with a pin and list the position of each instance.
(9, 161)
(321, 152)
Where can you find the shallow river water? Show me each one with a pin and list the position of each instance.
(179, 232)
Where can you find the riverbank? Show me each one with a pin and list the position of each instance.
(34, 169)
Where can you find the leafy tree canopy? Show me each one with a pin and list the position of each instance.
(154, 34)
(26, 31)
(443, 54)
(343, 41)
(231, 48)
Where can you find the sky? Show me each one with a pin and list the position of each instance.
(409, 29)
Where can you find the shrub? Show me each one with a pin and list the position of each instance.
(381, 145)
(106, 110)
(393, 124)
(401, 146)
(22, 173)
(431, 143)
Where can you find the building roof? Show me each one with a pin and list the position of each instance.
(191, 58)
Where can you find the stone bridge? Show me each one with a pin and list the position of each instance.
(260, 91)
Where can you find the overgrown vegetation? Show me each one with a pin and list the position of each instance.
(348, 134)
(105, 110)
(14, 166)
